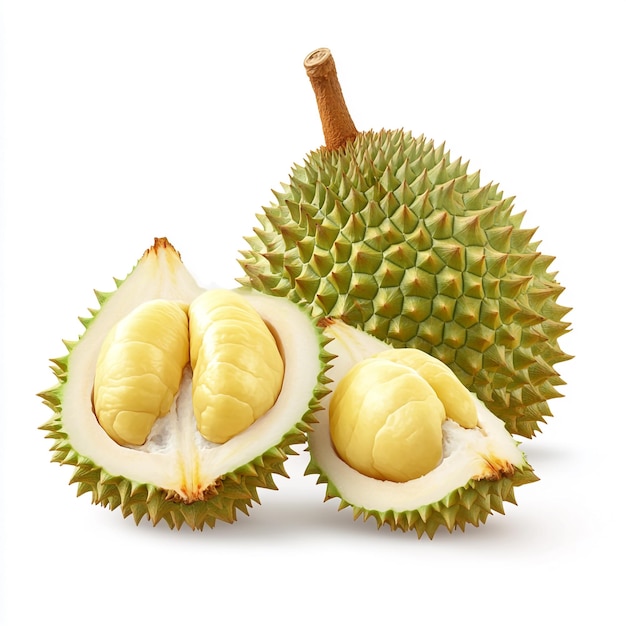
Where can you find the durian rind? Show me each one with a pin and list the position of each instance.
(471, 504)
(231, 492)
(236, 490)
(394, 237)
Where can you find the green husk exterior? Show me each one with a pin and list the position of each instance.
(392, 236)
(234, 492)
(471, 504)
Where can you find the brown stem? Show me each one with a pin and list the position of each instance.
(337, 124)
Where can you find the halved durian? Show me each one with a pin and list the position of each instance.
(480, 463)
(176, 474)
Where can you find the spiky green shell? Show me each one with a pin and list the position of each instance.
(471, 504)
(221, 499)
(392, 236)
(236, 491)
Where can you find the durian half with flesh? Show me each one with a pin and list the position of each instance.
(410, 447)
(145, 402)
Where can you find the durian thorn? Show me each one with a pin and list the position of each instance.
(337, 125)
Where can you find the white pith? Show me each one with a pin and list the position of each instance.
(467, 453)
(176, 457)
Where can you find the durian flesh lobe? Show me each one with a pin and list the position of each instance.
(177, 475)
(393, 236)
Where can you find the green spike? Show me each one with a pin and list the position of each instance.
(416, 309)
(389, 204)
(401, 256)
(355, 201)
(469, 231)
(446, 198)
(365, 260)
(326, 235)
(405, 220)
(440, 224)
(437, 173)
(450, 282)
(500, 238)
(372, 214)
(451, 253)
(443, 308)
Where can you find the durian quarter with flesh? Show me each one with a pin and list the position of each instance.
(395, 236)
(128, 414)
(400, 440)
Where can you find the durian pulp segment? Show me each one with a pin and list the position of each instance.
(456, 399)
(175, 457)
(237, 367)
(385, 421)
(139, 369)
(487, 451)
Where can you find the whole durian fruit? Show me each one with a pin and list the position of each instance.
(179, 403)
(390, 234)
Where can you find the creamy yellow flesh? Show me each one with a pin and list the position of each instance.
(386, 414)
(456, 399)
(385, 421)
(175, 456)
(237, 367)
(139, 370)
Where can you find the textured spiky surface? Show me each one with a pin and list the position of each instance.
(233, 492)
(236, 491)
(471, 504)
(392, 236)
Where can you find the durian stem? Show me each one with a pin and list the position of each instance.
(338, 127)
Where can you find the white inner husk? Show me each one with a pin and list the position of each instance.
(176, 457)
(468, 453)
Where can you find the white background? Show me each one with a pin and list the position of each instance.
(123, 121)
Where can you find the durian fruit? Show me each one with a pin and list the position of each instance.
(402, 441)
(155, 406)
(392, 235)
